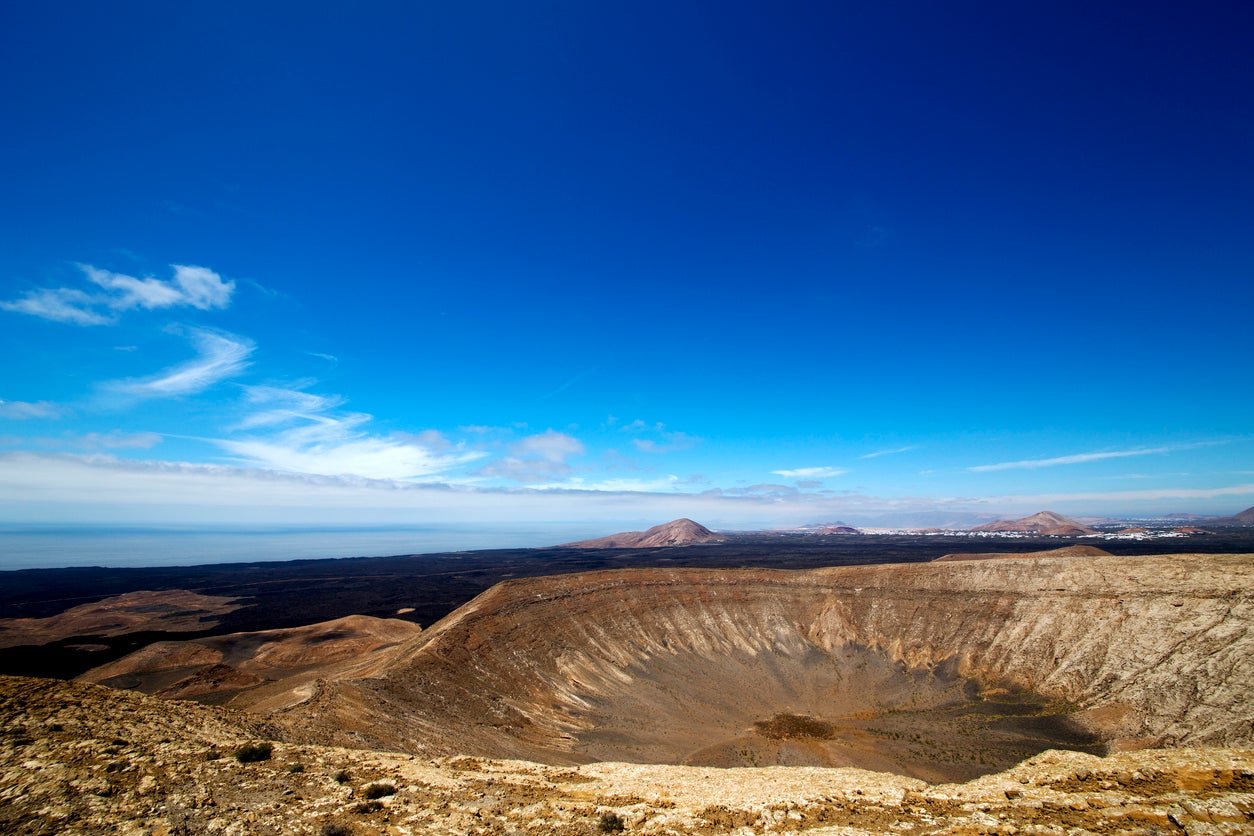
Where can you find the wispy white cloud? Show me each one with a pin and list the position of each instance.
(664, 484)
(196, 287)
(191, 286)
(763, 489)
(656, 438)
(219, 356)
(810, 472)
(669, 443)
(341, 452)
(549, 445)
(1081, 458)
(129, 292)
(120, 440)
(282, 404)
(61, 304)
(1147, 494)
(307, 436)
(530, 471)
(433, 440)
(1160, 476)
(536, 458)
(892, 452)
(22, 410)
(113, 440)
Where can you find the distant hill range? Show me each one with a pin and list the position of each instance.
(1245, 517)
(680, 532)
(1045, 523)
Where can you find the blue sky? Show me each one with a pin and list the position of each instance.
(758, 264)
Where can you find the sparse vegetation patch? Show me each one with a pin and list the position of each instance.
(611, 823)
(254, 752)
(792, 726)
(378, 789)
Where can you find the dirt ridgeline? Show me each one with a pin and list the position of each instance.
(1065, 551)
(267, 670)
(175, 610)
(84, 759)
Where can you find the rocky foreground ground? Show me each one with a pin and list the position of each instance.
(83, 759)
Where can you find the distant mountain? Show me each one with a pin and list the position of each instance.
(1046, 523)
(818, 528)
(680, 532)
(835, 529)
(1245, 517)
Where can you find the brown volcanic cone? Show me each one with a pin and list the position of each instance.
(1046, 523)
(939, 670)
(1245, 517)
(680, 532)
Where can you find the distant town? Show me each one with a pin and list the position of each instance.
(1050, 524)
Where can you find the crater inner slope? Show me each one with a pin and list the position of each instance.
(939, 670)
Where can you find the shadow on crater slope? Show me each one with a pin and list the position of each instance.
(939, 671)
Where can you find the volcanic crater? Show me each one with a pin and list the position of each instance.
(938, 671)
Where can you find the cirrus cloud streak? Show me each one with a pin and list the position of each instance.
(810, 472)
(1082, 458)
(306, 436)
(191, 286)
(220, 356)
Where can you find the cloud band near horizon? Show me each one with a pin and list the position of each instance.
(70, 487)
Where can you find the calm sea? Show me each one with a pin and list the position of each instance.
(47, 547)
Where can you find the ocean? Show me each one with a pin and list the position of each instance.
(50, 547)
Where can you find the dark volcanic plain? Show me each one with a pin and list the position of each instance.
(425, 588)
